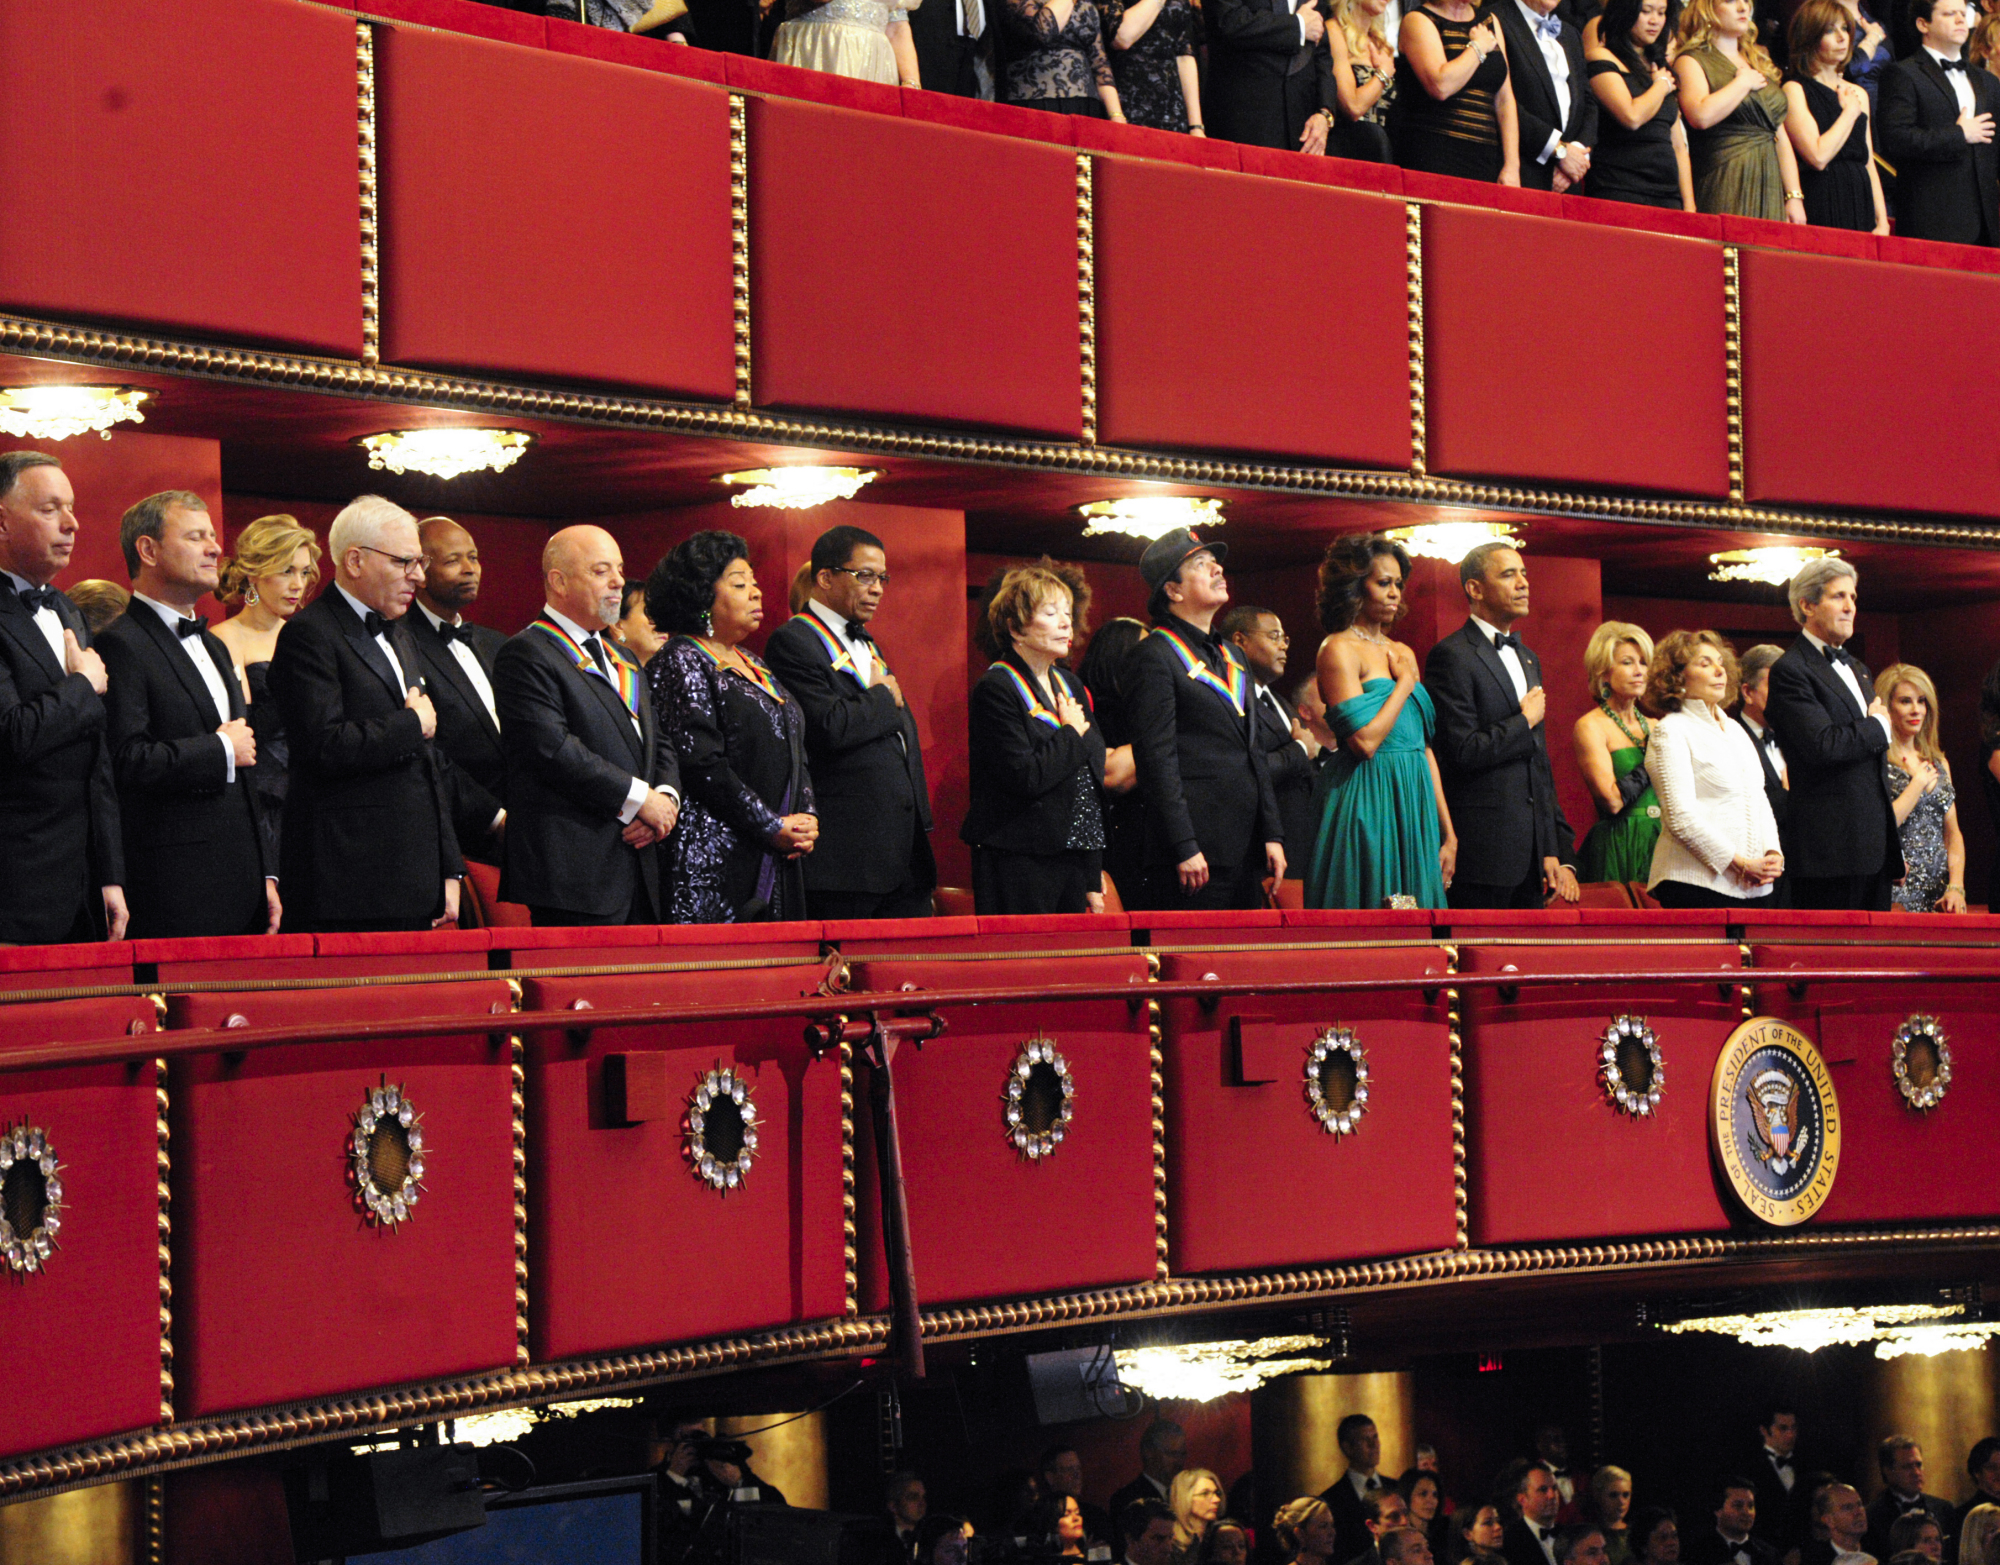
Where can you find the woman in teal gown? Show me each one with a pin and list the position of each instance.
(1384, 829)
(1611, 742)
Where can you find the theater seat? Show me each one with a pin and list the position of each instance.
(481, 907)
(1113, 903)
(952, 902)
(1607, 893)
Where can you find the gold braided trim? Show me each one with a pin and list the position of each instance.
(371, 254)
(1413, 250)
(1732, 350)
(1455, 1035)
(739, 241)
(163, 1172)
(1086, 291)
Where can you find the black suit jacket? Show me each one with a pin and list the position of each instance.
(1535, 93)
(1021, 767)
(1517, 1542)
(1497, 777)
(1780, 798)
(367, 833)
(944, 59)
(59, 832)
(1944, 188)
(1140, 1488)
(1709, 1547)
(1292, 775)
(194, 856)
(572, 752)
(1840, 820)
(1884, 1509)
(1263, 83)
(1351, 1536)
(867, 765)
(1201, 765)
(466, 732)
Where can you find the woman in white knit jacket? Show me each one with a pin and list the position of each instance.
(1718, 844)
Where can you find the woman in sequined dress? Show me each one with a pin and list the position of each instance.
(865, 39)
(747, 816)
(1921, 792)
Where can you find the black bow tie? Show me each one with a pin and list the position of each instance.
(33, 598)
(856, 631)
(1953, 65)
(1837, 655)
(1504, 639)
(374, 624)
(193, 625)
(448, 632)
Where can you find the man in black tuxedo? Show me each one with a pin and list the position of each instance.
(1270, 74)
(1774, 1467)
(1529, 1491)
(592, 784)
(1162, 1454)
(1552, 97)
(1844, 850)
(367, 839)
(195, 861)
(1383, 1512)
(1062, 1473)
(1291, 753)
(1839, 1525)
(62, 864)
(1754, 717)
(1731, 1540)
(947, 34)
(1901, 1461)
(1936, 116)
(1514, 847)
(873, 859)
(457, 658)
(1348, 1495)
(1982, 1466)
(1212, 825)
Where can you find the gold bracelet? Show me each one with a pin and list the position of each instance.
(1795, 195)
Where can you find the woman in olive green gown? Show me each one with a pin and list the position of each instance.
(1735, 112)
(1610, 742)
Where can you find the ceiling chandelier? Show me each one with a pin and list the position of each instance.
(1149, 516)
(1895, 1329)
(1773, 564)
(446, 453)
(797, 488)
(59, 412)
(1452, 541)
(1203, 1371)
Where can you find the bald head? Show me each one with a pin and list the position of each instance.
(583, 574)
(451, 574)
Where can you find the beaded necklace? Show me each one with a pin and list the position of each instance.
(1645, 735)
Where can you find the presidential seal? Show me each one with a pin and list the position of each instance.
(1774, 1122)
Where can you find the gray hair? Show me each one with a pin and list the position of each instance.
(1758, 659)
(361, 523)
(14, 463)
(1813, 579)
(148, 519)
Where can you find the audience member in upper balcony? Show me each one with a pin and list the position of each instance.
(946, 35)
(368, 840)
(1162, 1453)
(1147, 1527)
(1826, 117)
(1937, 133)
(1773, 1464)
(1841, 1522)
(1153, 59)
(1844, 848)
(1514, 847)
(1642, 151)
(1291, 754)
(1610, 742)
(1553, 105)
(1923, 797)
(1454, 110)
(181, 751)
(1383, 1511)
(1900, 1461)
(1534, 1500)
(1364, 77)
(873, 858)
(1036, 755)
(1979, 1529)
(1270, 75)
(1552, 1449)
(1408, 1545)
(457, 658)
(1872, 52)
(634, 631)
(1227, 1543)
(1735, 112)
(1195, 1498)
(1103, 672)
(907, 1503)
(1478, 1533)
(1656, 1538)
(1055, 59)
(274, 568)
(1056, 1527)
(868, 40)
(1608, 1507)
(1212, 826)
(1719, 843)
(1729, 1541)
(1755, 697)
(592, 784)
(1982, 1466)
(664, 19)
(1062, 1473)
(747, 822)
(1361, 1444)
(1305, 1532)
(1383, 827)
(1424, 1495)
(98, 601)
(1915, 1536)
(62, 868)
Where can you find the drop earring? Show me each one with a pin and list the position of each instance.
(707, 623)
(249, 595)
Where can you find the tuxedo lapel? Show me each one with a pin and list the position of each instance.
(607, 694)
(364, 646)
(1525, 54)
(20, 624)
(1489, 659)
(225, 665)
(185, 672)
(1933, 73)
(444, 662)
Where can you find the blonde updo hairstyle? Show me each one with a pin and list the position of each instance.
(1291, 1521)
(1603, 650)
(264, 548)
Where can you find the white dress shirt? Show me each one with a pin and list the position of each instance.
(1844, 672)
(1769, 740)
(1852, 1557)
(361, 612)
(1558, 64)
(860, 653)
(1360, 1481)
(466, 659)
(1509, 658)
(204, 666)
(45, 618)
(636, 794)
(1712, 803)
(1269, 697)
(1961, 83)
(1781, 1465)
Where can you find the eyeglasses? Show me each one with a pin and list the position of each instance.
(865, 577)
(405, 563)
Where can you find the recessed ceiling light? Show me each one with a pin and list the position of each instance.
(1150, 516)
(1452, 541)
(797, 488)
(1774, 565)
(446, 453)
(59, 412)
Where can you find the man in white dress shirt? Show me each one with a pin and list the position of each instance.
(1553, 103)
(1935, 124)
(458, 658)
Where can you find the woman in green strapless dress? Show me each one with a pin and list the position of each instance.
(1735, 111)
(1611, 745)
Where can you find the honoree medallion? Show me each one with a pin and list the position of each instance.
(1774, 1122)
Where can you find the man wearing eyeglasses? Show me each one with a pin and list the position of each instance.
(862, 745)
(368, 840)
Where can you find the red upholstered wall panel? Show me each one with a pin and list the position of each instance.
(1256, 376)
(1536, 1114)
(1886, 1146)
(582, 234)
(81, 1340)
(980, 1212)
(608, 1199)
(1790, 380)
(1526, 377)
(283, 1291)
(1222, 1218)
(230, 209)
(862, 226)
(64, 967)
